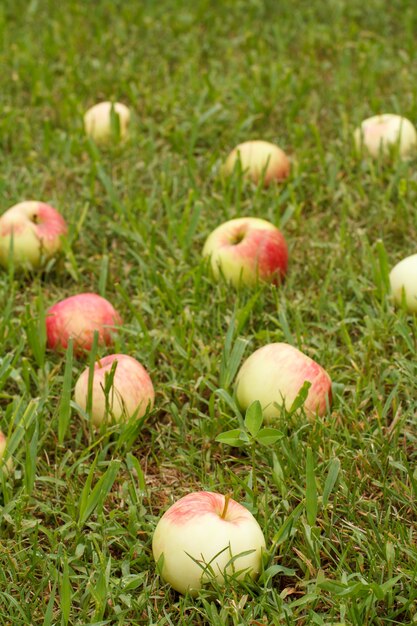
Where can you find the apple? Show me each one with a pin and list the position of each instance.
(98, 122)
(129, 392)
(260, 160)
(79, 317)
(212, 529)
(381, 133)
(7, 467)
(33, 230)
(274, 375)
(247, 249)
(403, 277)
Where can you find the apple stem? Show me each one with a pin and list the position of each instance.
(226, 504)
(99, 362)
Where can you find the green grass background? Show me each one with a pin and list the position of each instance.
(336, 496)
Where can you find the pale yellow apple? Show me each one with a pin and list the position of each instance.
(403, 278)
(259, 160)
(97, 121)
(379, 134)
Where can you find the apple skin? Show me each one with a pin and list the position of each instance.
(97, 121)
(403, 277)
(247, 249)
(131, 391)
(8, 466)
(36, 228)
(78, 317)
(275, 373)
(193, 527)
(378, 134)
(260, 160)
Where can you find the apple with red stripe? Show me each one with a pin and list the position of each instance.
(121, 388)
(260, 161)
(205, 535)
(31, 232)
(247, 249)
(275, 374)
(78, 317)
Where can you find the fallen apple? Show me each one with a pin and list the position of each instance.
(121, 388)
(98, 121)
(259, 160)
(206, 535)
(274, 375)
(380, 134)
(247, 249)
(8, 466)
(79, 317)
(403, 279)
(30, 232)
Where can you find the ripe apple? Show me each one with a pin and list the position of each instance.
(129, 392)
(98, 122)
(78, 317)
(247, 249)
(260, 160)
(380, 133)
(212, 529)
(404, 277)
(274, 375)
(33, 230)
(7, 467)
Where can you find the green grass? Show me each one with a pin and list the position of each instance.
(336, 496)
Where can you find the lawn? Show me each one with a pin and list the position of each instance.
(336, 496)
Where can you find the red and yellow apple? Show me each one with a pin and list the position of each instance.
(403, 279)
(379, 134)
(213, 530)
(30, 232)
(98, 124)
(129, 392)
(259, 160)
(79, 317)
(247, 249)
(274, 375)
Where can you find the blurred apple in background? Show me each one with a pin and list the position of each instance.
(8, 466)
(403, 278)
(78, 317)
(382, 133)
(274, 375)
(211, 529)
(121, 388)
(98, 122)
(34, 230)
(259, 160)
(247, 249)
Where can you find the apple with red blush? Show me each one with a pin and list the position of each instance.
(30, 233)
(79, 317)
(121, 387)
(275, 374)
(247, 249)
(206, 536)
(259, 161)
